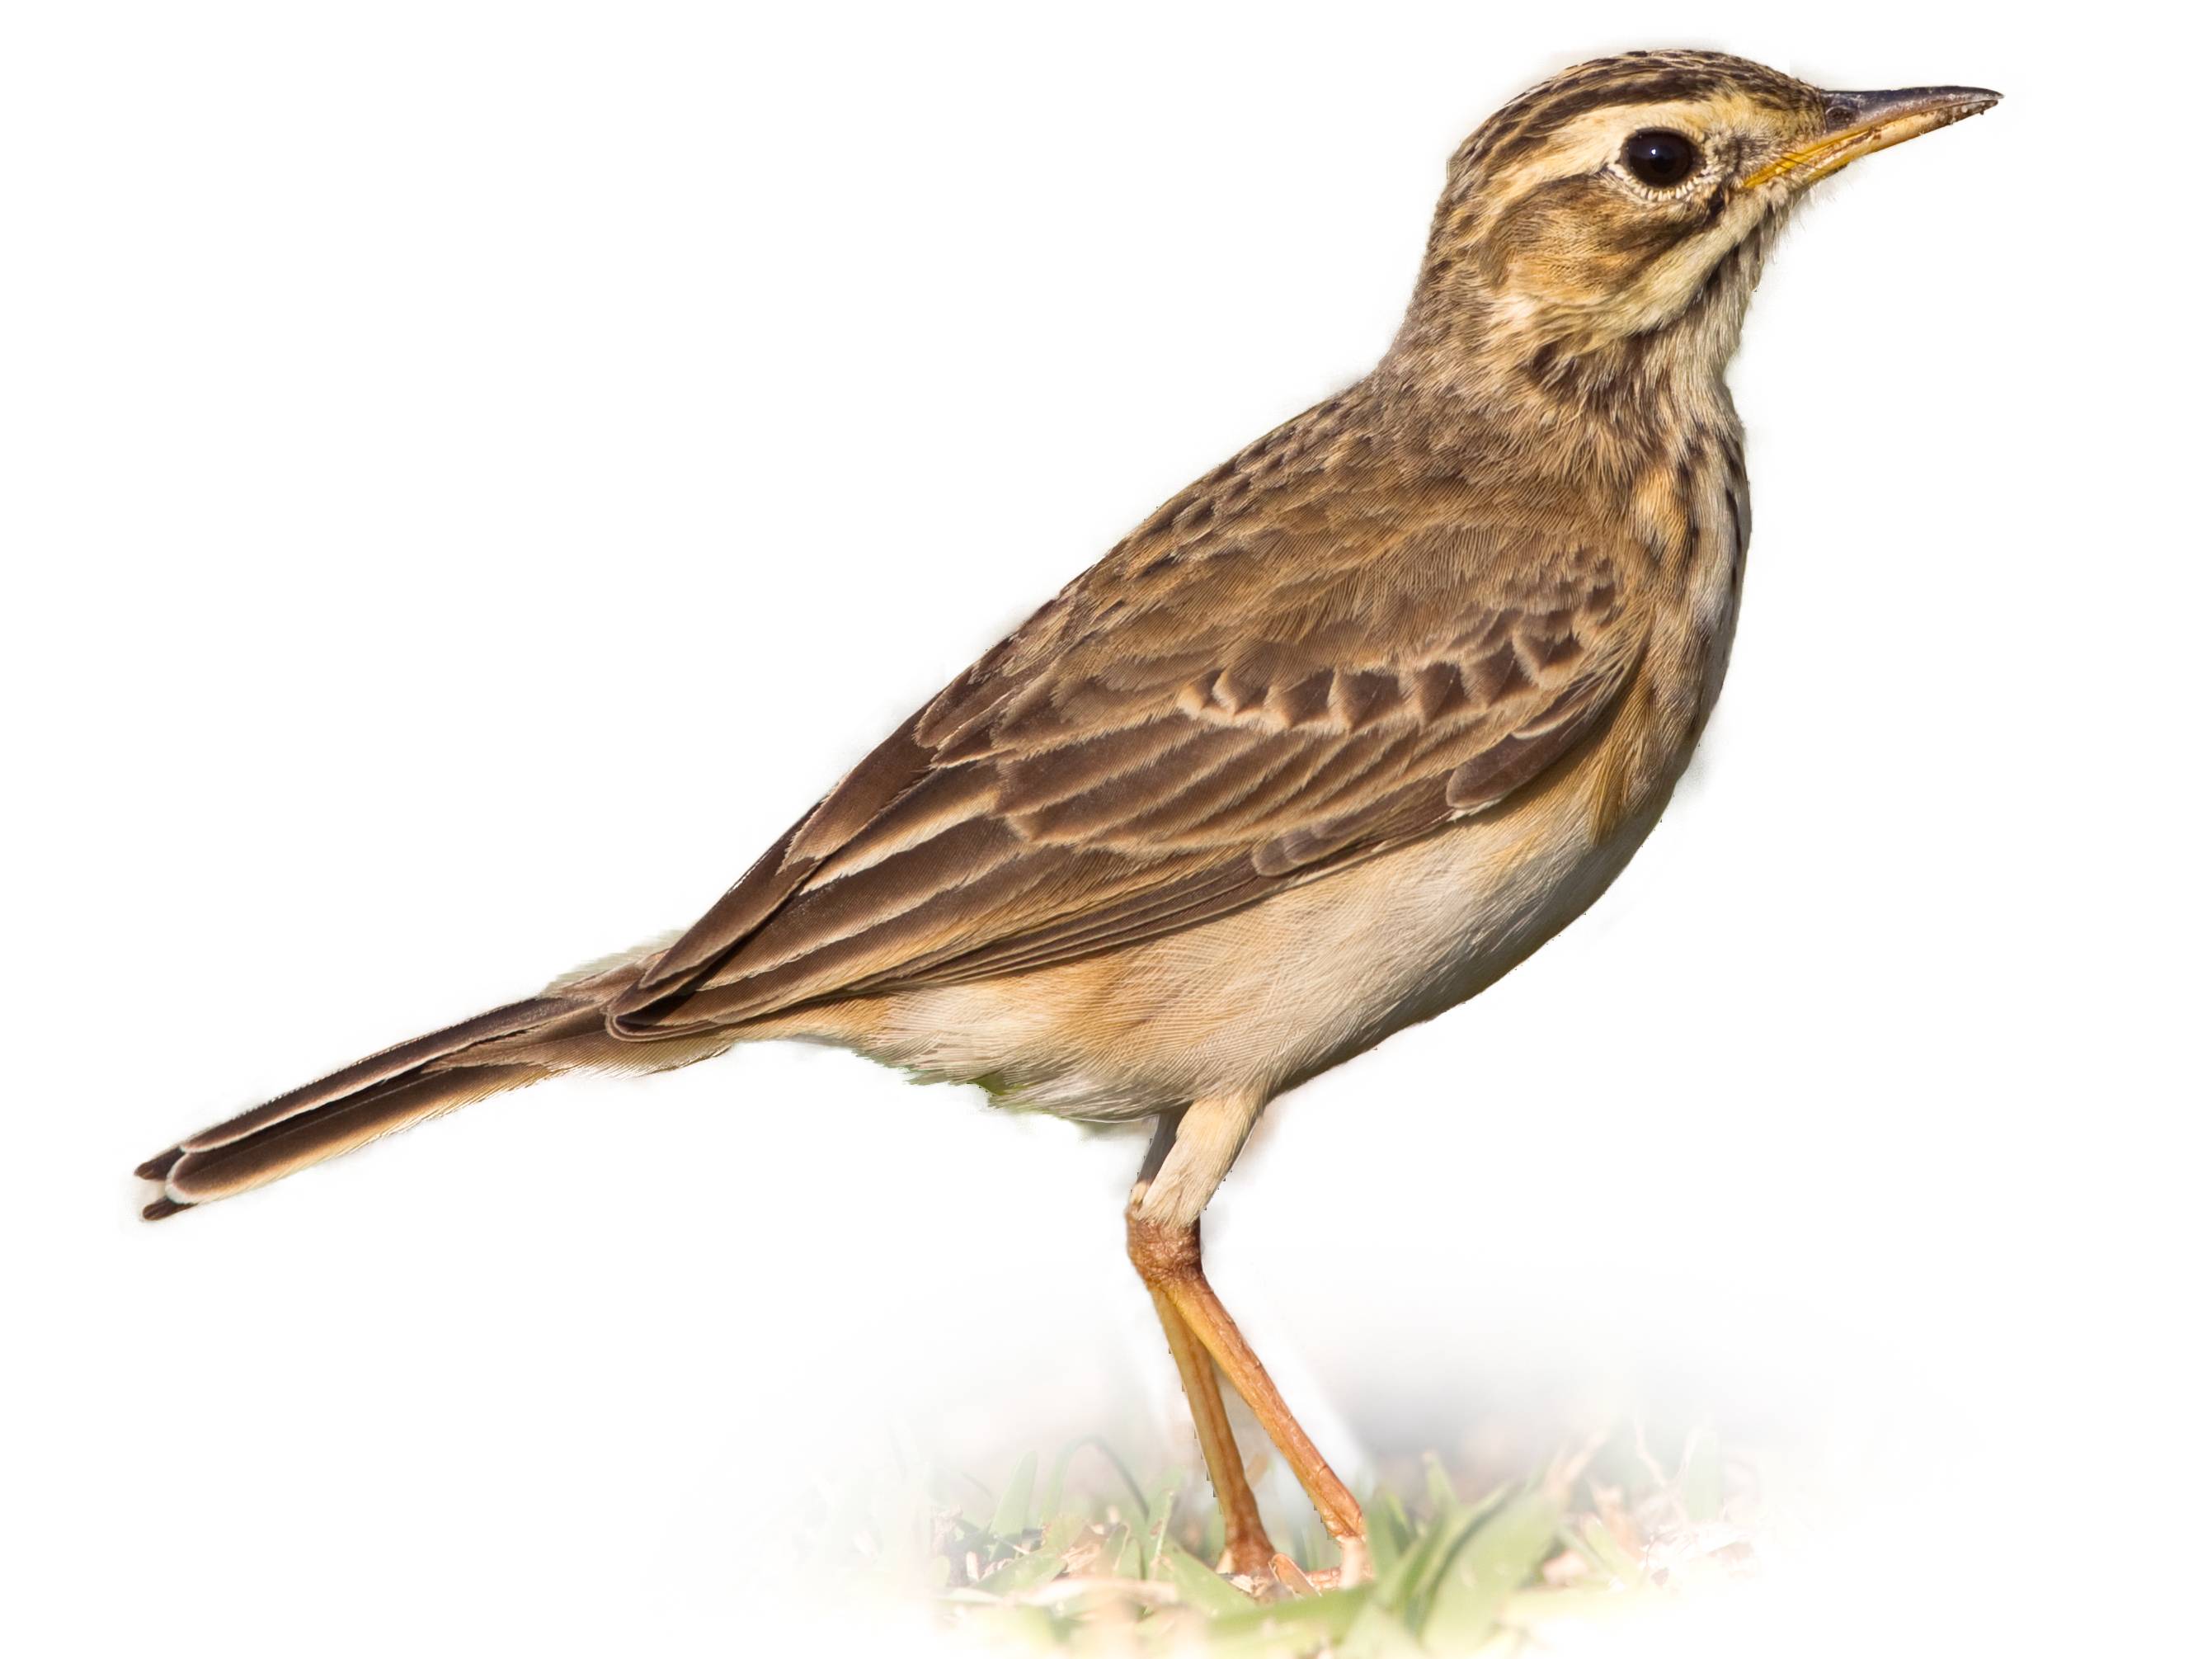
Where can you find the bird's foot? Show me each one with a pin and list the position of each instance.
(1293, 1577)
(1354, 1566)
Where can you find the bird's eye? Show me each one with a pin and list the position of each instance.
(1659, 158)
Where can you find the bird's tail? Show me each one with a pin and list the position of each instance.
(562, 1029)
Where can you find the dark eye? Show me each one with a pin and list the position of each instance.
(1658, 157)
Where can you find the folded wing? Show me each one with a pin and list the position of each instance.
(1170, 739)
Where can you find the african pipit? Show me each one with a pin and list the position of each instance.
(1334, 738)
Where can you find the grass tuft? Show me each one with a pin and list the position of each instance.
(1099, 1563)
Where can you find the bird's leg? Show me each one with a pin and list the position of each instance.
(1168, 1259)
(1164, 1244)
(1244, 1537)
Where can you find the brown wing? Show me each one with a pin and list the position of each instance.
(1189, 726)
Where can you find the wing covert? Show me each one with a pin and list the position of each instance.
(1168, 740)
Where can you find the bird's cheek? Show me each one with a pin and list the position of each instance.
(1580, 249)
(1566, 273)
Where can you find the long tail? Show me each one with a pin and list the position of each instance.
(563, 1029)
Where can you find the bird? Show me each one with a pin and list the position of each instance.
(1339, 735)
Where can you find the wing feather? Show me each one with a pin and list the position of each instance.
(1172, 738)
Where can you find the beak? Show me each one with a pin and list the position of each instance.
(1861, 123)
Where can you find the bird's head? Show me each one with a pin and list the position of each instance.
(1629, 202)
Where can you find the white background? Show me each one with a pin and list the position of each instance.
(472, 473)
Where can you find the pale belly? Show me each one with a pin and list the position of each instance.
(1259, 1001)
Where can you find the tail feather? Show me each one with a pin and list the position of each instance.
(252, 1160)
(505, 1048)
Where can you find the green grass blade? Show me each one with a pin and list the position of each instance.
(1199, 1585)
(1282, 1628)
(1389, 1532)
(1396, 1589)
(1604, 1552)
(1060, 1532)
(1023, 1573)
(1406, 1591)
(1159, 1508)
(1373, 1634)
(1049, 1503)
(1012, 1518)
(1699, 1480)
(1497, 1559)
(1444, 1502)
